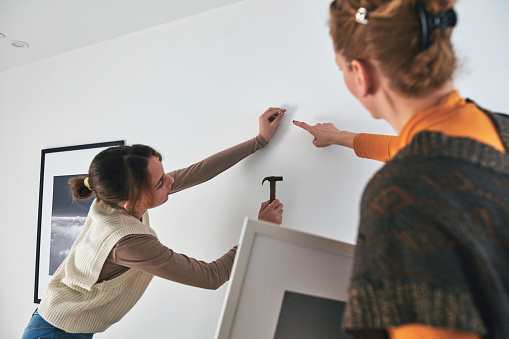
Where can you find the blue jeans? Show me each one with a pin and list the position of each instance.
(38, 328)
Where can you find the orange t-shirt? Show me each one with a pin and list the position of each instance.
(417, 331)
(453, 116)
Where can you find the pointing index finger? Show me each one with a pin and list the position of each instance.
(302, 125)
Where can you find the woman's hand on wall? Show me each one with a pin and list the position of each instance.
(269, 121)
(271, 211)
(327, 134)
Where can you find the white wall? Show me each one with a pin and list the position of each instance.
(191, 88)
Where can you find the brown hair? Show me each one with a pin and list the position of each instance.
(117, 175)
(392, 37)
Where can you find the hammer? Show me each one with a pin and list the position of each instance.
(272, 181)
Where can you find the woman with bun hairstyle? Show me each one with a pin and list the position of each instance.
(117, 253)
(432, 254)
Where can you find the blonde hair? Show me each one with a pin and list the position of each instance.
(392, 37)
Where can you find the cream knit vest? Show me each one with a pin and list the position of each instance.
(73, 301)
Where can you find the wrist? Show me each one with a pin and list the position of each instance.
(346, 139)
(262, 141)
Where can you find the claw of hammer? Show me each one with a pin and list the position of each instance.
(272, 181)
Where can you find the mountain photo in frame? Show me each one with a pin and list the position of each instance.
(67, 219)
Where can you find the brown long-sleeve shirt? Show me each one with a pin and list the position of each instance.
(146, 253)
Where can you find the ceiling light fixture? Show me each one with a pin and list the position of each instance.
(2, 36)
(18, 44)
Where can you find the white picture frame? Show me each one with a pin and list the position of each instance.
(271, 260)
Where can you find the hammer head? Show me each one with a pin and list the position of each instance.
(272, 179)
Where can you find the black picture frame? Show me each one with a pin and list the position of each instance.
(60, 218)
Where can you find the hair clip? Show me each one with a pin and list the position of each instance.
(361, 15)
(430, 22)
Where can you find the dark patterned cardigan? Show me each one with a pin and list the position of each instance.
(433, 242)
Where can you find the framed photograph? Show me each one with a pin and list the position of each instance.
(286, 284)
(61, 218)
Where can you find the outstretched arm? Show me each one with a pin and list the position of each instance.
(210, 167)
(370, 146)
(145, 253)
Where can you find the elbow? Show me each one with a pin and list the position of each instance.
(215, 286)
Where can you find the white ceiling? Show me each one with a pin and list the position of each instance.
(52, 27)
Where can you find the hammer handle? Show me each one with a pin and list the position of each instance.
(272, 190)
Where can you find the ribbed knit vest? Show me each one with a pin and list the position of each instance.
(73, 301)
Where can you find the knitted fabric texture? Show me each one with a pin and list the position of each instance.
(73, 301)
(433, 242)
